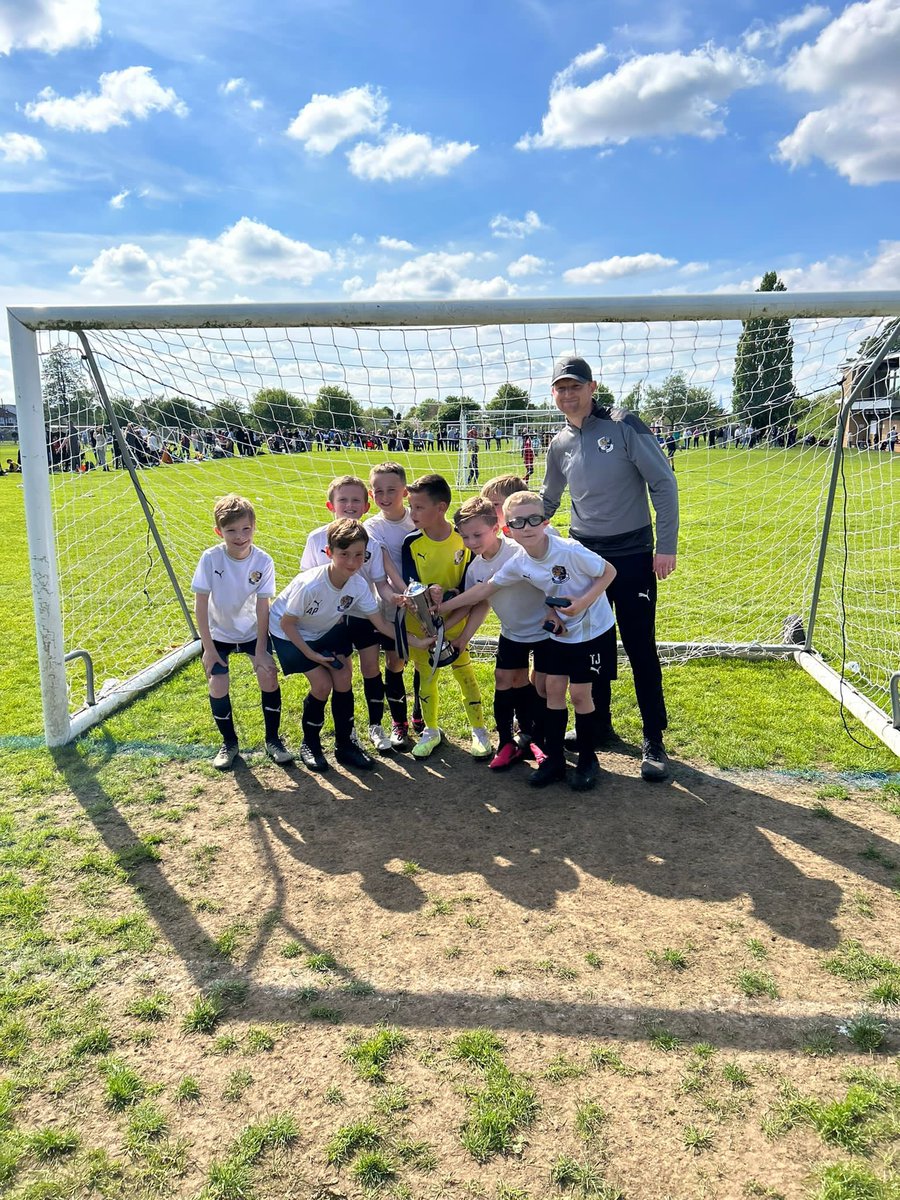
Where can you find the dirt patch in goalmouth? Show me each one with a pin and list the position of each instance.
(450, 898)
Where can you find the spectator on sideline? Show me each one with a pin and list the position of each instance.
(609, 460)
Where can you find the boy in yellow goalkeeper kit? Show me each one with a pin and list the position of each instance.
(435, 555)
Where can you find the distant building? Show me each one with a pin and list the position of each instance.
(8, 420)
(877, 411)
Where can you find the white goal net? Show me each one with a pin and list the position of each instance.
(782, 448)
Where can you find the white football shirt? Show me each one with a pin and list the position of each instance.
(519, 606)
(233, 585)
(318, 605)
(567, 570)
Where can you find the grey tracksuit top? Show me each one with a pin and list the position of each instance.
(608, 466)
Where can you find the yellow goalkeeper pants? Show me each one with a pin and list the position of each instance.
(464, 675)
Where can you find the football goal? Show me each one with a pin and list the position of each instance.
(779, 412)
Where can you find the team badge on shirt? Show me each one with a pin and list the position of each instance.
(344, 603)
(255, 577)
(559, 574)
(368, 556)
(606, 445)
(458, 557)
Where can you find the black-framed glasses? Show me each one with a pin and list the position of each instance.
(533, 519)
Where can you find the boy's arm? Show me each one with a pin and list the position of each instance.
(393, 574)
(474, 621)
(387, 629)
(597, 588)
(469, 598)
(289, 627)
(261, 656)
(210, 657)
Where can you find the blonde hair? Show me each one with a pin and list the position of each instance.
(501, 486)
(388, 468)
(517, 499)
(231, 508)
(346, 481)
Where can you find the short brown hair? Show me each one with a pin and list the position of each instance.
(476, 506)
(232, 508)
(343, 533)
(523, 497)
(501, 486)
(435, 487)
(387, 468)
(346, 481)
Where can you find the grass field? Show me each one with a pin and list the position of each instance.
(429, 983)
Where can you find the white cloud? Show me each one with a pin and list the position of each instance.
(761, 35)
(878, 272)
(48, 25)
(509, 227)
(20, 148)
(528, 264)
(435, 276)
(391, 243)
(852, 65)
(132, 92)
(118, 200)
(652, 95)
(618, 267)
(240, 88)
(693, 268)
(407, 156)
(233, 85)
(248, 253)
(326, 121)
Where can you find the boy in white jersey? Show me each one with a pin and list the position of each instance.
(232, 585)
(348, 498)
(311, 635)
(389, 528)
(520, 608)
(582, 643)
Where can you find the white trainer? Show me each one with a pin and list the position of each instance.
(380, 739)
(481, 743)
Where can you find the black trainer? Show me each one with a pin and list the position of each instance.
(313, 758)
(550, 771)
(654, 761)
(584, 777)
(351, 754)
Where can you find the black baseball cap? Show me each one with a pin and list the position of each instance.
(571, 367)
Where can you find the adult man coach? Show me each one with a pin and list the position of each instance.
(610, 461)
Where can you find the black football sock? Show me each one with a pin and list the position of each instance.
(524, 702)
(539, 718)
(271, 706)
(503, 714)
(312, 721)
(342, 715)
(601, 691)
(555, 726)
(395, 690)
(373, 689)
(417, 703)
(585, 724)
(222, 715)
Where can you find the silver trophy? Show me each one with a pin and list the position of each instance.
(442, 653)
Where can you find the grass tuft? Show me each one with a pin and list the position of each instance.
(590, 1117)
(480, 1047)
(123, 1087)
(757, 983)
(370, 1057)
(349, 1140)
(500, 1110)
(373, 1169)
(586, 1179)
(203, 1015)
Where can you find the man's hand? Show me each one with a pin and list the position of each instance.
(263, 661)
(211, 658)
(663, 565)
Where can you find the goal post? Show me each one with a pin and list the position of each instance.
(132, 420)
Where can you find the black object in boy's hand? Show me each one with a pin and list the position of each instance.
(557, 601)
(335, 663)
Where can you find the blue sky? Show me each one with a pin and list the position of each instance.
(341, 149)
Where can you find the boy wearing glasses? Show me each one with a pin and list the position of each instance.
(582, 643)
